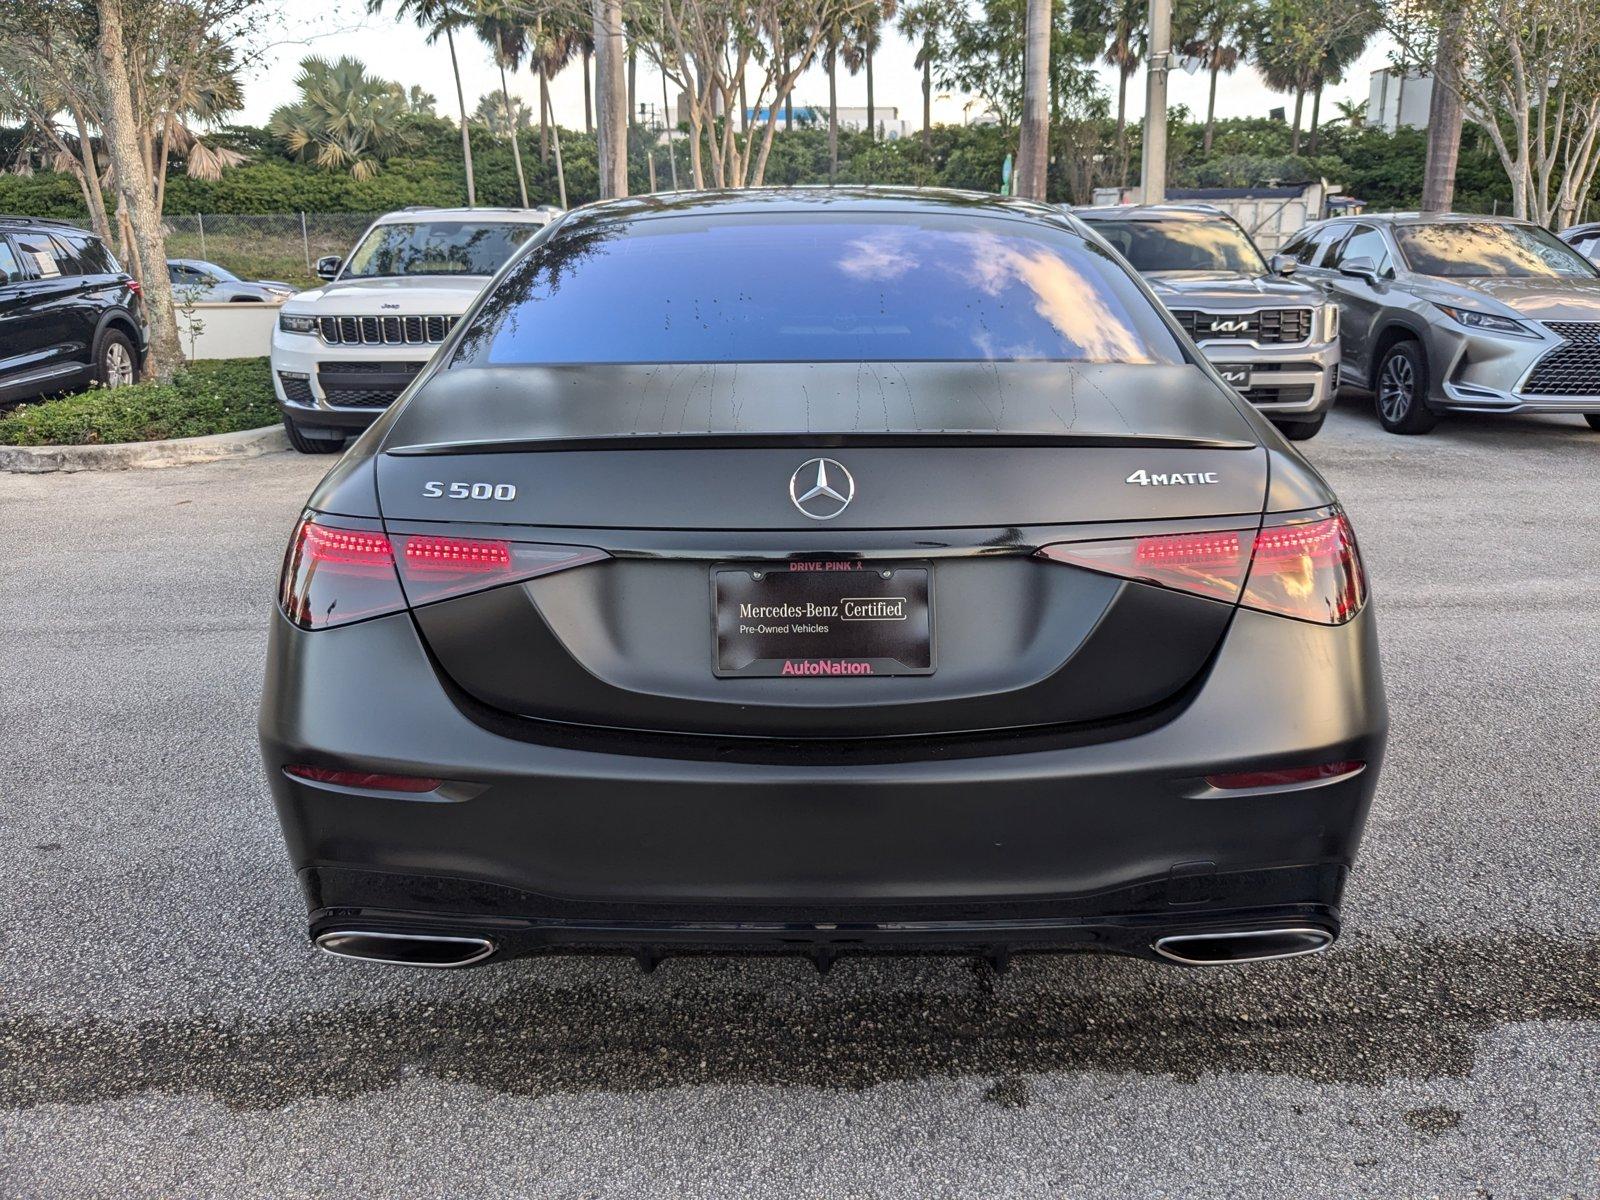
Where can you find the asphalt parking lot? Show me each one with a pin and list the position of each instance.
(165, 1030)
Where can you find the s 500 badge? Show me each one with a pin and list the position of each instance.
(1159, 479)
(470, 491)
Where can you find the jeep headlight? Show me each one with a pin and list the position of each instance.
(1330, 322)
(294, 323)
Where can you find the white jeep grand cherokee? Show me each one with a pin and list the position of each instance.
(342, 353)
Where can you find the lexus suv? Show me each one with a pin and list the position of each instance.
(342, 353)
(1273, 338)
(821, 572)
(1459, 313)
(70, 316)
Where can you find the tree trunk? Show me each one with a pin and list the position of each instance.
(671, 127)
(461, 104)
(1299, 108)
(1034, 144)
(833, 114)
(1316, 117)
(872, 120)
(1444, 128)
(91, 180)
(633, 86)
(1122, 130)
(1211, 110)
(511, 122)
(611, 94)
(166, 352)
(544, 121)
(555, 134)
(588, 94)
(927, 102)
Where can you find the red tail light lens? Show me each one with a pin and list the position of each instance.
(334, 575)
(1310, 570)
(1205, 564)
(365, 779)
(1298, 568)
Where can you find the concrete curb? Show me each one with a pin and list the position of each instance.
(175, 452)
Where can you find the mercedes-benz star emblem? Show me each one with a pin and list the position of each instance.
(821, 488)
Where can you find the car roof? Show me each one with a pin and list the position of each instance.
(1418, 218)
(45, 223)
(530, 216)
(1150, 212)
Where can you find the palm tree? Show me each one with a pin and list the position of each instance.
(584, 37)
(1033, 144)
(1352, 112)
(1127, 32)
(501, 28)
(1350, 25)
(865, 35)
(921, 23)
(1218, 38)
(553, 48)
(441, 17)
(833, 39)
(345, 119)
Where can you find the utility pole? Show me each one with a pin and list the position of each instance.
(1153, 169)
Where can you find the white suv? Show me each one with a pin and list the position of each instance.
(342, 353)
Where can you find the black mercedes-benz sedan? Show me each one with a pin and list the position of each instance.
(821, 572)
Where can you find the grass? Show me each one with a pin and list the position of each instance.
(220, 396)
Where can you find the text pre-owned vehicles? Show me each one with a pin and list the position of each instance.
(206, 281)
(821, 571)
(1274, 339)
(69, 315)
(1459, 313)
(341, 353)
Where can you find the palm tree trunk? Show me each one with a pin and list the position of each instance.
(588, 94)
(872, 121)
(1299, 108)
(1444, 128)
(466, 138)
(96, 198)
(1122, 129)
(927, 102)
(633, 86)
(611, 146)
(166, 351)
(511, 124)
(544, 121)
(833, 114)
(1316, 117)
(1034, 144)
(671, 127)
(555, 136)
(1211, 110)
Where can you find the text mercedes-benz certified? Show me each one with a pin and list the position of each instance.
(1455, 313)
(1270, 336)
(821, 572)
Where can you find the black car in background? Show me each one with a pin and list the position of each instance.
(821, 572)
(70, 316)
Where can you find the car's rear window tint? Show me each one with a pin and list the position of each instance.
(810, 287)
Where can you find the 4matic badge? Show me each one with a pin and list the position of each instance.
(1167, 479)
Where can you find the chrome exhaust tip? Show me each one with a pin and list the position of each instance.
(405, 949)
(1246, 946)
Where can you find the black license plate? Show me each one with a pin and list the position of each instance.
(823, 620)
(1238, 376)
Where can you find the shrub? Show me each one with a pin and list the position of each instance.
(206, 397)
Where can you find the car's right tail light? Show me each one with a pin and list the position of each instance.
(1299, 566)
(334, 575)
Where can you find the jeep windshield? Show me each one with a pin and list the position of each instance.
(1183, 245)
(436, 248)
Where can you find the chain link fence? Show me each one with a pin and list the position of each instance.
(281, 246)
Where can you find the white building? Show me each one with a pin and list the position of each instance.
(1399, 98)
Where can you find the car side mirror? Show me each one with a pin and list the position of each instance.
(1360, 268)
(329, 266)
(1282, 264)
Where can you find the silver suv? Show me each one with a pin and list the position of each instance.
(1274, 339)
(1459, 313)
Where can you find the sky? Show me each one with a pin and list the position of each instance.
(330, 28)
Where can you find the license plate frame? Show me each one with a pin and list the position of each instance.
(882, 626)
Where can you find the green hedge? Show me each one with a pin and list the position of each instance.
(207, 397)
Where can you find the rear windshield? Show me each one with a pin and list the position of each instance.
(899, 287)
(1466, 250)
(437, 248)
(1183, 246)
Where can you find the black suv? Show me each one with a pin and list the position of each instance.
(69, 314)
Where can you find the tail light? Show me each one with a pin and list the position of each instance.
(1286, 776)
(1297, 567)
(334, 575)
(136, 287)
(365, 780)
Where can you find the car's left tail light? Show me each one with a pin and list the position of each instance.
(1303, 566)
(334, 574)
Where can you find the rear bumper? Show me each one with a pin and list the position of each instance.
(555, 844)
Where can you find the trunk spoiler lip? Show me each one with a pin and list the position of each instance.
(978, 439)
